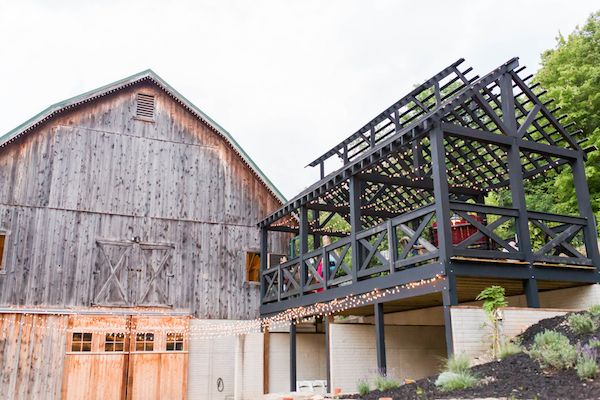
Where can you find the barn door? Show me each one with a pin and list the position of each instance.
(153, 276)
(111, 274)
(126, 358)
(132, 274)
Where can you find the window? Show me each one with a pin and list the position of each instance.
(144, 342)
(82, 341)
(114, 342)
(175, 341)
(3, 237)
(252, 267)
(145, 106)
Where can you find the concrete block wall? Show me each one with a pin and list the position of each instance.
(472, 334)
(412, 352)
(310, 359)
(237, 360)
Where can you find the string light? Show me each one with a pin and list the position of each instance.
(203, 328)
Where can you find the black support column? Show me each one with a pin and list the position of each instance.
(293, 356)
(585, 210)
(355, 190)
(327, 321)
(380, 338)
(442, 214)
(264, 246)
(515, 175)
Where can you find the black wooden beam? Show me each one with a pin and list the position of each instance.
(423, 183)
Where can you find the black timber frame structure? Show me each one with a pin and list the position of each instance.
(413, 172)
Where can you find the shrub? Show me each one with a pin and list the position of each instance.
(595, 310)
(509, 349)
(594, 343)
(448, 381)
(458, 364)
(384, 383)
(363, 387)
(582, 323)
(552, 349)
(586, 367)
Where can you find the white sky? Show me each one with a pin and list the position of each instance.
(288, 79)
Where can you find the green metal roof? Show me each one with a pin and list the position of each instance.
(147, 75)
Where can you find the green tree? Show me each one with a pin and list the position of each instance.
(571, 74)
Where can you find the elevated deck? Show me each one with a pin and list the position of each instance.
(431, 198)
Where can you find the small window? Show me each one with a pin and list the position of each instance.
(114, 342)
(3, 237)
(82, 341)
(252, 267)
(175, 341)
(145, 106)
(144, 342)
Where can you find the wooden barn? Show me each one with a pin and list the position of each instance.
(128, 245)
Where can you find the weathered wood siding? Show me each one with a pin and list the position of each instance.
(32, 351)
(99, 173)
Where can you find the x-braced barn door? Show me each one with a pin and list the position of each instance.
(127, 273)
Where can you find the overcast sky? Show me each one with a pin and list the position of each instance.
(288, 79)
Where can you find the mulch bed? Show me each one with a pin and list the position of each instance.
(517, 376)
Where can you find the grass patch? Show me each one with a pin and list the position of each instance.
(582, 323)
(586, 367)
(509, 349)
(458, 364)
(384, 383)
(363, 387)
(448, 381)
(595, 310)
(552, 349)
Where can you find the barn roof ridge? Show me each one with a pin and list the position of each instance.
(148, 74)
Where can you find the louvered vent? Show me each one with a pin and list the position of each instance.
(145, 106)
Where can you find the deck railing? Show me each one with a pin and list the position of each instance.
(410, 240)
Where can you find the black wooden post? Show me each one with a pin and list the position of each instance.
(293, 356)
(264, 245)
(380, 338)
(316, 226)
(585, 210)
(303, 246)
(355, 189)
(327, 320)
(440, 190)
(444, 233)
(515, 175)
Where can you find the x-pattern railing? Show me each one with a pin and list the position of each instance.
(558, 233)
(486, 241)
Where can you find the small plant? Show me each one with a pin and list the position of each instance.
(586, 367)
(509, 349)
(552, 349)
(493, 299)
(582, 323)
(363, 387)
(384, 383)
(458, 363)
(448, 381)
(595, 310)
